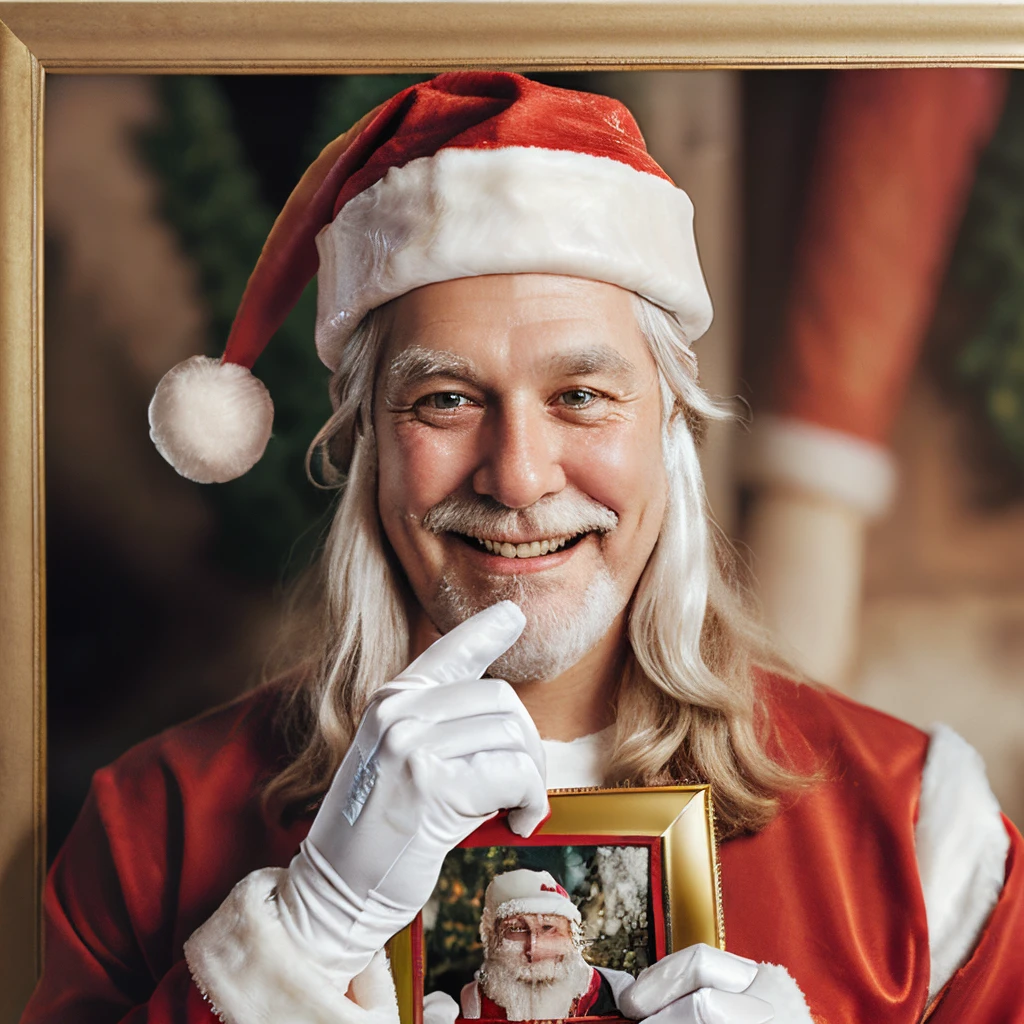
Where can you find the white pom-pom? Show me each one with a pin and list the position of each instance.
(210, 420)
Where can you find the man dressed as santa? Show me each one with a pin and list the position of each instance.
(521, 591)
(533, 966)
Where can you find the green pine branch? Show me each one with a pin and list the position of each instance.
(272, 517)
(989, 265)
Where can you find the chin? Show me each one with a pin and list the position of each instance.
(563, 624)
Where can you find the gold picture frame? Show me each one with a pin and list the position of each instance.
(677, 821)
(40, 37)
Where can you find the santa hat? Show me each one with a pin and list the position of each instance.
(524, 892)
(468, 174)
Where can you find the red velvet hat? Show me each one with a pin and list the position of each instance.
(468, 174)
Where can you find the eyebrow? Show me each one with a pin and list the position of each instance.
(595, 359)
(417, 364)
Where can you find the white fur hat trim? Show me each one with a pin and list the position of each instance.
(512, 210)
(523, 891)
(546, 904)
(210, 420)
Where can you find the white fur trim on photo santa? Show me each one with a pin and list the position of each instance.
(251, 971)
(819, 460)
(962, 845)
(549, 903)
(468, 213)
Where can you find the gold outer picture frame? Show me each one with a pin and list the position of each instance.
(682, 817)
(38, 37)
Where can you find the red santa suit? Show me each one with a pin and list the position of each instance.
(597, 1001)
(524, 891)
(889, 886)
(890, 879)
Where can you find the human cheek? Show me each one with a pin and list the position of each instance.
(430, 463)
(615, 466)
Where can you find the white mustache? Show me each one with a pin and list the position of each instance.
(566, 514)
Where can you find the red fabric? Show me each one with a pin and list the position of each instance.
(165, 834)
(981, 992)
(846, 914)
(830, 889)
(460, 110)
(894, 165)
(587, 1000)
(554, 888)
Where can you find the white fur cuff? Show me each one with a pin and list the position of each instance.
(775, 985)
(834, 464)
(251, 972)
(962, 847)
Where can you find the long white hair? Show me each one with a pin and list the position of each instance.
(687, 705)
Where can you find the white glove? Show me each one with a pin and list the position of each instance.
(440, 1008)
(704, 985)
(437, 753)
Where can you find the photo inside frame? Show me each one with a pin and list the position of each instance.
(512, 932)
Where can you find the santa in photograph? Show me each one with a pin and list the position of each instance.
(521, 590)
(533, 967)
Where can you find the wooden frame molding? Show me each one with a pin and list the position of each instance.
(297, 36)
(22, 548)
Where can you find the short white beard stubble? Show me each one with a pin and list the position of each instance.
(561, 627)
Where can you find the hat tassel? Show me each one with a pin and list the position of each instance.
(211, 420)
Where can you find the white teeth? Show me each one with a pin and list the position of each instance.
(528, 549)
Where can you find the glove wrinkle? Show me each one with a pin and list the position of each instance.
(398, 804)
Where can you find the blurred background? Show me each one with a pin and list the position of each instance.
(863, 237)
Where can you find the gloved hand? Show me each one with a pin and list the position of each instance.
(437, 753)
(704, 985)
(440, 1008)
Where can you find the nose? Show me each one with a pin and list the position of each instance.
(538, 949)
(521, 461)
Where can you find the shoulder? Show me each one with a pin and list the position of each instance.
(818, 729)
(182, 814)
(165, 832)
(237, 742)
(962, 846)
(926, 791)
(469, 999)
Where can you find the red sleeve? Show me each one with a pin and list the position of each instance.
(103, 965)
(989, 988)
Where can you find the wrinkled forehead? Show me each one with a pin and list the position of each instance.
(546, 324)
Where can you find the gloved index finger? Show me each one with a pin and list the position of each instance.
(468, 650)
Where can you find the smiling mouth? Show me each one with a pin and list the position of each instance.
(527, 549)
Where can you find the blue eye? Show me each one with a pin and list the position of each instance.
(578, 398)
(445, 400)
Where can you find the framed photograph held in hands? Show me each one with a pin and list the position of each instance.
(552, 927)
